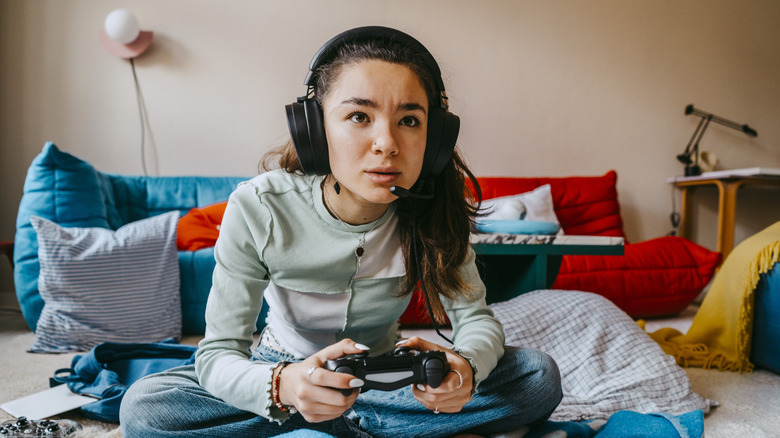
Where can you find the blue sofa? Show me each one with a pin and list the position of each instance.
(72, 193)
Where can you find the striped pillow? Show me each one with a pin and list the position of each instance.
(100, 285)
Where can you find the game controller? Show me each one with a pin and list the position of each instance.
(22, 427)
(387, 373)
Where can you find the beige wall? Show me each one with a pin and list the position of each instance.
(550, 87)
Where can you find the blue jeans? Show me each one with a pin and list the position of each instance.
(524, 388)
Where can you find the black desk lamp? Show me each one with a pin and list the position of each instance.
(691, 155)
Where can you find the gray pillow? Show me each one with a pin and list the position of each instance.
(100, 285)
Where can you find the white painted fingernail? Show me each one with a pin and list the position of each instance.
(401, 342)
(421, 387)
(356, 383)
(361, 347)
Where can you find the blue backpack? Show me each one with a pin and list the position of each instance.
(110, 368)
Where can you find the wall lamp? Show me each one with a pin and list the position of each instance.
(691, 155)
(122, 36)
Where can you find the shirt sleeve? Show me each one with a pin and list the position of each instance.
(478, 335)
(222, 362)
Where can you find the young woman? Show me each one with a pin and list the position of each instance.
(335, 242)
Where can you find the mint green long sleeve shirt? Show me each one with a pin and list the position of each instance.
(278, 242)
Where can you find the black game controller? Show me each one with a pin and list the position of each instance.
(387, 373)
(22, 427)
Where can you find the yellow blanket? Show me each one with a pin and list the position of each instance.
(721, 330)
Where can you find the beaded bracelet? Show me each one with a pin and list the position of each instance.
(275, 387)
(473, 372)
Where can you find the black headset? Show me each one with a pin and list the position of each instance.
(304, 116)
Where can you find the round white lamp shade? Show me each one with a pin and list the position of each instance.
(122, 26)
(122, 36)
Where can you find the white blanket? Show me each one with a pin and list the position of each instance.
(607, 362)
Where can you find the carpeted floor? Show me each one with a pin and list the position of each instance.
(749, 403)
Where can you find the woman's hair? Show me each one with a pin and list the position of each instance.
(442, 224)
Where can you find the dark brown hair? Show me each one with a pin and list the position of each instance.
(442, 224)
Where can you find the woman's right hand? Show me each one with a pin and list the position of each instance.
(316, 395)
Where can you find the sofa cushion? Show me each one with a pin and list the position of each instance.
(657, 277)
(199, 228)
(584, 205)
(63, 189)
(71, 192)
(100, 285)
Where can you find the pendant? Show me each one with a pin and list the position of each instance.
(359, 251)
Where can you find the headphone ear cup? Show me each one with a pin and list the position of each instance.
(299, 133)
(304, 120)
(317, 137)
(443, 129)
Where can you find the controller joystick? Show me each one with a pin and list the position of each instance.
(23, 428)
(401, 351)
(387, 373)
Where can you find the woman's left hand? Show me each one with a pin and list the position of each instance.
(453, 393)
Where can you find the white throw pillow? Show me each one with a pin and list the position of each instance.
(536, 205)
(100, 285)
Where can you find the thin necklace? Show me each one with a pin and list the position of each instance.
(360, 249)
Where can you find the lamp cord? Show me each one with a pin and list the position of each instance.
(141, 112)
(675, 216)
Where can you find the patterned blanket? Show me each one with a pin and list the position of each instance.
(607, 362)
(721, 334)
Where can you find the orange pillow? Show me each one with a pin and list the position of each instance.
(199, 228)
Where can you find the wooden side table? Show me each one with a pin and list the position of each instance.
(728, 185)
(513, 264)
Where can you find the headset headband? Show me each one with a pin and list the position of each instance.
(329, 50)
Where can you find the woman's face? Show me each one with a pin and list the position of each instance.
(376, 120)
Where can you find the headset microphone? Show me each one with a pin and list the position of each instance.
(403, 193)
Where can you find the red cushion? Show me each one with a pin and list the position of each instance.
(416, 313)
(585, 205)
(199, 228)
(657, 277)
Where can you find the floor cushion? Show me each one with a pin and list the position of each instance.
(654, 278)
